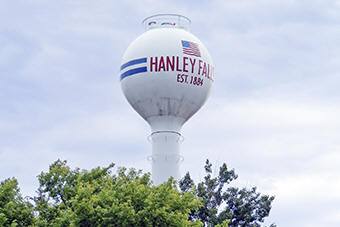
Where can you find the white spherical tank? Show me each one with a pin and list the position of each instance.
(166, 75)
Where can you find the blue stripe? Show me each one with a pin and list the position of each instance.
(133, 62)
(132, 72)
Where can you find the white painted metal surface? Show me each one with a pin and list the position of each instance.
(166, 76)
(165, 156)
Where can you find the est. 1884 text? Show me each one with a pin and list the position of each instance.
(184, 78)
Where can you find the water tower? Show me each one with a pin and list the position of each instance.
(166, 75)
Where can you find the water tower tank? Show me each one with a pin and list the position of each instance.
(166, 75)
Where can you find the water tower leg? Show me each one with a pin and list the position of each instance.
(165, 156)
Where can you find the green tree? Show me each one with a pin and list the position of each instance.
(74, 197)
(242, 207)
(99, 198)
(14, 210)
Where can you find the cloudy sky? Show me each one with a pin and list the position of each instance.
(273, 114)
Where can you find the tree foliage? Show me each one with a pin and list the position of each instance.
(242, 207)
(98, 198)
(14, 210)
(74, 197)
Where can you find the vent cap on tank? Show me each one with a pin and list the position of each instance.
(166, 21)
